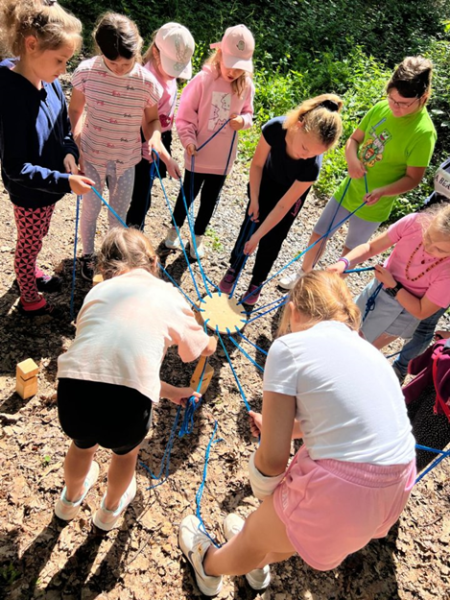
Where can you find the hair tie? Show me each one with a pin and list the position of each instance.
(49, 2)
(330, 105)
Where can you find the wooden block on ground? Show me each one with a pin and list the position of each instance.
(27, 369)
(26, 388)
(207, 376)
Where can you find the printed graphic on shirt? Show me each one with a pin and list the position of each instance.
(220, 110)
(372, 150)
(442, 183)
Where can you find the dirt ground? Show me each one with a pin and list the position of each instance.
(39, 558)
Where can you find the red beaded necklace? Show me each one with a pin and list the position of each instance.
(408, 264)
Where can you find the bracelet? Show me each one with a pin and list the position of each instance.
(346, 261)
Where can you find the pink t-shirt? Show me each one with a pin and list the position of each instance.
(124, 328)
(206, 103)
(435, 285)
(115, 109)
(166, 104)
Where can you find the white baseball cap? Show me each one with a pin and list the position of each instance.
(176, 47)
(237, 47)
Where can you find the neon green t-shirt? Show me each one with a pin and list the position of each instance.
(390, 145)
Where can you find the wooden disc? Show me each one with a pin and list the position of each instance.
(224, 313)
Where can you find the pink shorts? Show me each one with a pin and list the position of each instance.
(332, 508)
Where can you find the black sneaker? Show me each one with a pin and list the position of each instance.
(88, 263)
(48, 283)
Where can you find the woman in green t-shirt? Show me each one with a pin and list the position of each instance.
(392, 148)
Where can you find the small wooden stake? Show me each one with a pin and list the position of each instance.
(26, 378)
(195, 379)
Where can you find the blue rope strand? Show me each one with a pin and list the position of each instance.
(434, 464)
(267, 312)
(121, 221)
(239, 347)
(244, 398)
(180, 289)
(213, 135)
(359, 270)
(74, 267)
(251, 343)
(199, 494)
(392, 355)
(242, 242)
(260, 308)
(165, 462)
(371, 301)
(176, 226)
(302, 253)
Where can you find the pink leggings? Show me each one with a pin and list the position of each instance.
(32, 226)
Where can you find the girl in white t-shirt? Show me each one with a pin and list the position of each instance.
(109, 377)
(350, 480)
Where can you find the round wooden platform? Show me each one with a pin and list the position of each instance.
(222, 313)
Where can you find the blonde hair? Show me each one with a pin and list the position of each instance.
(319, 115)
(125, 249)
(149, 55)
(322, 296)
(240, 84)
(412, 78)
(47, 21)
(117, 36)
(438, 215)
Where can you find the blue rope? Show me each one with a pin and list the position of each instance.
(434, 463)
(199, 494)
(180, 289)
(302, 253)
(239, 347)
(74, 267)
(244, 398)
(324, 240)
(242, 240)
(392, 355)
(251, 343)
(121, 221)
(165, 462)
(193, 241)
(260, 308)
(155, 162)
(213, 135)
(359, 270)
(371, 301)
(267, 311)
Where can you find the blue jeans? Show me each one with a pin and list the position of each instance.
(419, 342)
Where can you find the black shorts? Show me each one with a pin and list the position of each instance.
(113, 416)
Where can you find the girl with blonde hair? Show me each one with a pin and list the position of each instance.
(352, 477)
(285, 165)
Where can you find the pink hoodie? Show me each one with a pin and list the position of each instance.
(206, 103)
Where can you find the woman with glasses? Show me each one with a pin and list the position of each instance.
(391, 149)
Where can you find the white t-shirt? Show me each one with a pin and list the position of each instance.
(349, 402)
(124, 329)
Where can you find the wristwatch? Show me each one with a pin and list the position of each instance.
(394, 290)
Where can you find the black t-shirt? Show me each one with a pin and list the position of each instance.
(280, 167)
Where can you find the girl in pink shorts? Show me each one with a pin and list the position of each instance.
(352, 477)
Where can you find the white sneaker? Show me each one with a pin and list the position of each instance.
(201, 250)
(288, 281)
(65, 510)
(258, 579)
(194, 544)
(106, 519)
(172, 240)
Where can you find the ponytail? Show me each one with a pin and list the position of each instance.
(319, 115)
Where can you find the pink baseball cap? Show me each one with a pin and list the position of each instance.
(237, 47)
(176, 47)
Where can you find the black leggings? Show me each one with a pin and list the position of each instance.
(269, 246)
(114, 416)
(211, 187)
(141, 200)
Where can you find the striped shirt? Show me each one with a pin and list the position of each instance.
(115, 108)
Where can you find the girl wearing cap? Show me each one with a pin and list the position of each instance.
(286, 163)
(120, 96)
(222, 93)
(392, 147)
(168, 59)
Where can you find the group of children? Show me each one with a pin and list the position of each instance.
(352, 477)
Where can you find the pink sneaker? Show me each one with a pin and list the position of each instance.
(252, 295)
(226, 285)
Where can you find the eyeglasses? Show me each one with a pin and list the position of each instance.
(401, 104)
